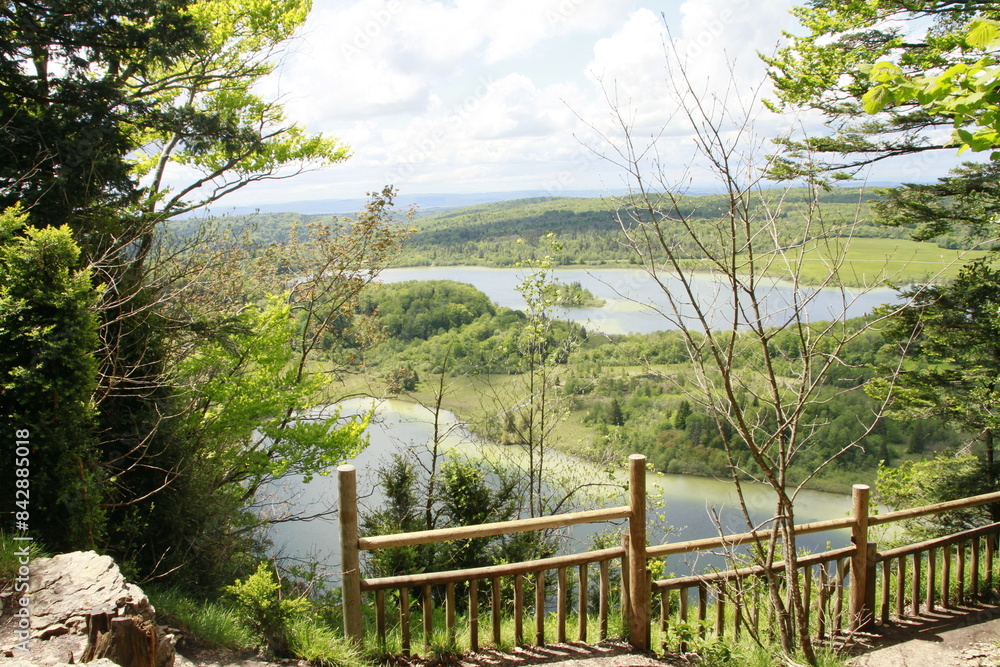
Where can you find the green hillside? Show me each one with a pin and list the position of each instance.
(588, 230)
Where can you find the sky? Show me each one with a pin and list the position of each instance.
(463, 96)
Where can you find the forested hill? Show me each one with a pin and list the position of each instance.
(490, 234)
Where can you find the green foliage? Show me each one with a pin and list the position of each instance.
(467, 493)
(836, 63)
(421, 309)
(701, 639)
(945, 477)
(73, 77)
(10, 559)
(248, 393)
(400, 513)
(951, 336)
(220, 128)
(966, 92)
(269, 615)
(48, 375)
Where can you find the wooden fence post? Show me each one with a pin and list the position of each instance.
(862, 584)
(638, 583)
(350, 563)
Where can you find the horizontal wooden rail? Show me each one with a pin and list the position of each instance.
(490, 572)
(491, 529)
(954, 538)
(962, 503)
(753, 570)
(672, 548)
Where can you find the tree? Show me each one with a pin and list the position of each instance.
(831, 67)
(219, 126)
(966, 93)
(529, 408)
(761, 396)
(951, 333)
(933, 66)
(68, 113)
(106, 105)
(251, 387)
(47, 378)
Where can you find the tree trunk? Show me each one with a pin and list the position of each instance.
(126, 640)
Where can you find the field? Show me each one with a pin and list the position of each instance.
(870, 262)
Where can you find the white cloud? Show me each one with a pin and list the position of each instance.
(372, 57)
(438, 95)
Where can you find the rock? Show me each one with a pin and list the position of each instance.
(68, 589)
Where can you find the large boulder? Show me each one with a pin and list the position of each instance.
(74, 597)
(67, 588)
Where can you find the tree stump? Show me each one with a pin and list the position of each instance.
(129, 641)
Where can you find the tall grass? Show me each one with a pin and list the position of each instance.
(10, 557)
(215, 623)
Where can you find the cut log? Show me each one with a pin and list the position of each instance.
(128, 641)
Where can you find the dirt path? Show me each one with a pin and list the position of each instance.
(957, 638)
(967, 637)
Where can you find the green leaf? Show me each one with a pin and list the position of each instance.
(983, 34)
(876, 99)
(884, 71)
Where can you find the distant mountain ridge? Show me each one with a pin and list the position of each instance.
(426, 202)
(434, 202)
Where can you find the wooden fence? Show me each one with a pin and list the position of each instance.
(846, 588)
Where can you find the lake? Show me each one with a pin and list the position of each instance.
(635, 303)
(687, 501)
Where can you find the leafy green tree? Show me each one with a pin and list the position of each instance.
(459, 493)
(106, 106)
(402, 512)
(220, 127)
(832, 66)
(890, 76)
(966, 93)
(69, 109)
(48, 374)
(952, 332)
(681, 415)
(944, 477)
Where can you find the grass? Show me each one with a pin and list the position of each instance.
(320, 644)
(220, 625)
(212, 622)
(868, 262)
(11, 560)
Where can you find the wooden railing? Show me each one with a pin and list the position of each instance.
(840, 587)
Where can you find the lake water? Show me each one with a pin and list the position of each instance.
(687, 501)
(635, 303)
